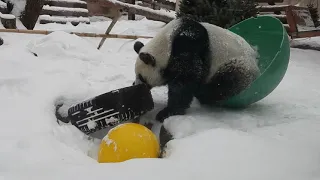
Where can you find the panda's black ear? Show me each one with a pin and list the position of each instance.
(147, 59)
(137, 46)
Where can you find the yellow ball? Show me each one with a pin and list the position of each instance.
(128, 141)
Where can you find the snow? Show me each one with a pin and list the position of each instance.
(18, 7)
(63, 18)
(3, 4)
(272, 6)
(56, 8)
(307, 28)
(7, 16)
(62, 44)
(308, 43)
(277, 138)
(239, 152)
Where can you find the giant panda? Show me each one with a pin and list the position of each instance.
(195, 59)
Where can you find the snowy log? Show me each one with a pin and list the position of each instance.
(64, 11)
(43, 19)
(144, 11)
(8, 21)
(66, 3)
(272, 8)
(305, 46)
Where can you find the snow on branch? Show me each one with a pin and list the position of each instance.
(144, 11)
(55, 8)
(3, 4)
(65, 11)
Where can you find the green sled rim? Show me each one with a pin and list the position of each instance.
(273, 68)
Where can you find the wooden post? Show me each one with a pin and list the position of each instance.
(293, 22)
(177, 5)
(131, 16)
(293, 30)
(114, 20)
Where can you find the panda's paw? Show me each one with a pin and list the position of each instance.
(162, 115)
(167, 112)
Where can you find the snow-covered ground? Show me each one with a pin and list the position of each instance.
(274, 139)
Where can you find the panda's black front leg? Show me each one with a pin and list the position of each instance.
(180, 96)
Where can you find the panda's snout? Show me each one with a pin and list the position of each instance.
(138, 81)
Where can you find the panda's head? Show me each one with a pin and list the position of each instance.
(149, 65)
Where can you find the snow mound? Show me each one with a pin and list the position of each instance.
(249, 156)
(306, 43)
(63, 44)
(274, 139)
(182, 126)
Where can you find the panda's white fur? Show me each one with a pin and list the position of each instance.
(224, 46)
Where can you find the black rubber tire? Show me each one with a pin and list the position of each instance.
(111, 108)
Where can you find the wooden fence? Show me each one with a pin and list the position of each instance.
(157, 4)
(296, 20)
(152, 4)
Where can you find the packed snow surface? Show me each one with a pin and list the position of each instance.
(56, 8)
(274, 139)
(63, 18)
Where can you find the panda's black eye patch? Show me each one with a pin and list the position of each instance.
(147, 59)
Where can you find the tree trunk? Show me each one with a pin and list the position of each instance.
(31, 13)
